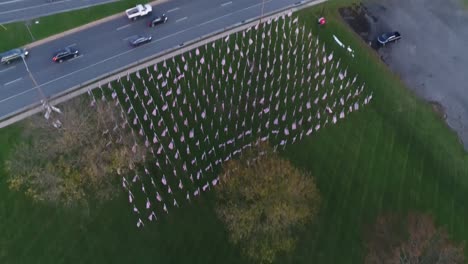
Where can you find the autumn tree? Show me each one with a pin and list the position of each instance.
(383, 240)
(75, 160)
(264, 201)
(418, 242)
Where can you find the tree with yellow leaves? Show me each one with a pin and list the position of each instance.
(76, 162)
(264, 201)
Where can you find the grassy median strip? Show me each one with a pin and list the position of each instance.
(396, 155)
(16, 34)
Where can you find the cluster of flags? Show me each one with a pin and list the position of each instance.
(273, 82)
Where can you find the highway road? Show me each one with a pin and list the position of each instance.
(21, 10)
(105, 47)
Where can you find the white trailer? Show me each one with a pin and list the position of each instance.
(138, 11)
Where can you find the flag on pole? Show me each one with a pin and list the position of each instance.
(206, 186)
(140, 223)
(152, 216)
(171, 145)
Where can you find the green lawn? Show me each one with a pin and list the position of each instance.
(16, 34)
(395, 154)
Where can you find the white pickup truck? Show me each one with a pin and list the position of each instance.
(138, 11)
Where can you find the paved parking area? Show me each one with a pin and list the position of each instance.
(432, 57)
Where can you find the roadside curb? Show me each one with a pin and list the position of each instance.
(156, 58)
(83, 27)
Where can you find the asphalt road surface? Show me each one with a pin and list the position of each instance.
(432, 56)
(105, 47)
(21, 10)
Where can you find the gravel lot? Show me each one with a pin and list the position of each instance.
(432, 57)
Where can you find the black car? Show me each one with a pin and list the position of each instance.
(139, 40)
(158, 20)
(65, 54)
(389, 37)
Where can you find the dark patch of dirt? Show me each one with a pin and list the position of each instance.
(355, 16)
(439, 109)
(359, 19)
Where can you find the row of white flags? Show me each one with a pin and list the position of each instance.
(274, 83)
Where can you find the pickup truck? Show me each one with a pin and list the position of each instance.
(12, 55)
(389, 37)
(138, 11)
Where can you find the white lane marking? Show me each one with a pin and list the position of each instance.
(172, 10)
(227, 3)
(10, 68)
(127, 38)
(10, 2)
(53, 3)
(77, 57)
(34, 6)
(240, 10)
(72, 45)
(8, 83)
(122, 27)
(126, 52)
(181, 19)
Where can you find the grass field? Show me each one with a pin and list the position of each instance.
(396, 154)
(16, 34)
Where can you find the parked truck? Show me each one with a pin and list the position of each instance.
(138, 11)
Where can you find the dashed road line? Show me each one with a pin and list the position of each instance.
(10, 2)
(77, 57)
(10, 68)
(172, 10)
(17, 80)
(122, 27)
(181, 19)
(227, 3)
(127, 38)
(32, 7)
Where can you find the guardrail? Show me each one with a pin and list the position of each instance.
(156, 58)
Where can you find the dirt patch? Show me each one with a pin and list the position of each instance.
(356, 17)
(362, 21)
(439, 109)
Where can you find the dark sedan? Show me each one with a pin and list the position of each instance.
(140, 40)
(65, 54)
(389, 37)
(158, 20)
